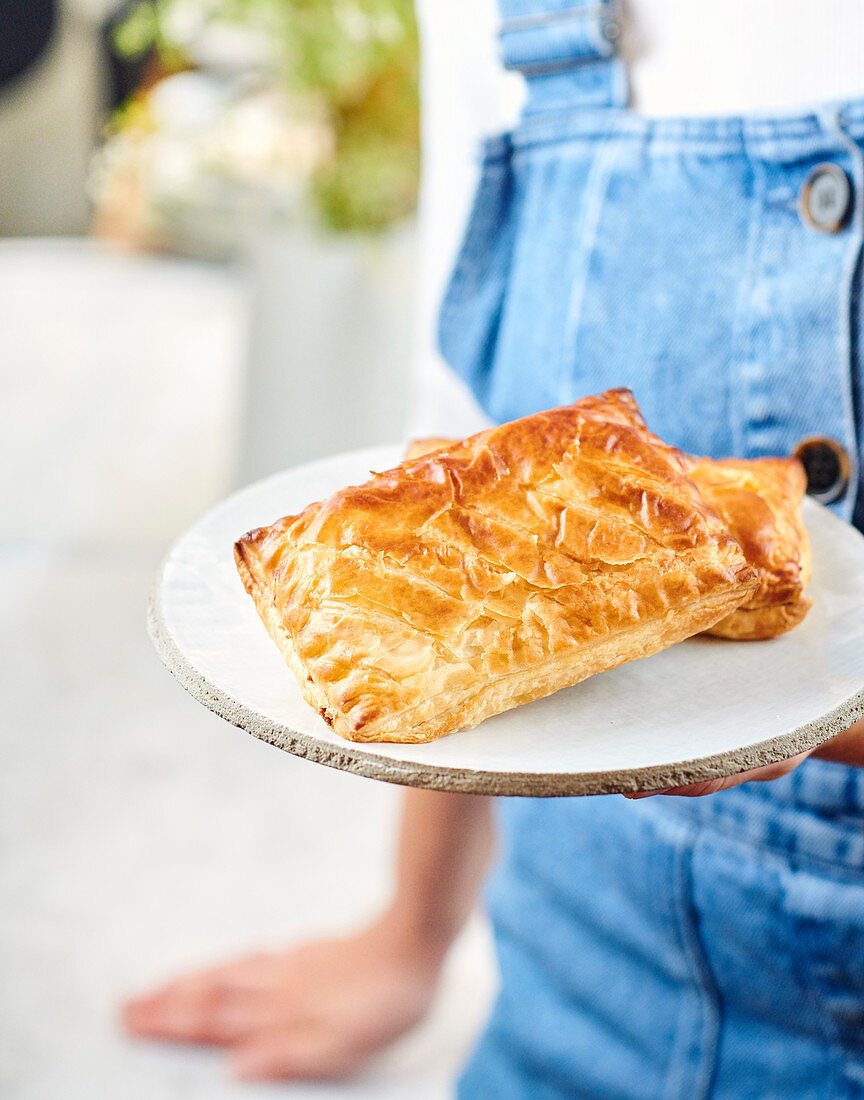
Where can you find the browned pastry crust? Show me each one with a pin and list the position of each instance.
(759, 500)
(492, 572)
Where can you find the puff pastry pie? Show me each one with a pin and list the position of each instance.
(495, 571)
(759, 501)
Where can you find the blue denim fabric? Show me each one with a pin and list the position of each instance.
(679, 948)
(668, 256)
(674, 948)
(566, 49)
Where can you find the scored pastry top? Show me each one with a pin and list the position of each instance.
(759, 501)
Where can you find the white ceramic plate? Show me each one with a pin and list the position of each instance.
(704, 708)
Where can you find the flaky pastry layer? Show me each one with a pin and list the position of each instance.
(492, 572)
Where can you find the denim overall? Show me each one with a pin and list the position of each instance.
(671, 947)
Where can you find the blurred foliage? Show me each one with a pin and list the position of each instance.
(355, 61)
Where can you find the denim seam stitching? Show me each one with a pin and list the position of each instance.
(556, 65)
(512, 863)
(595, 188)
(827, 1024)
(529, 945)
(830, 1033)
(800, 855)
(742, 318)
(786, 141)
(702, 980)
(833, 123)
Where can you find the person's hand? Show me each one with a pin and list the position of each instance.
(320, 1011)
(711, 786)
(845, 748)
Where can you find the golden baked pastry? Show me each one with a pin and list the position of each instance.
(498, 570)
(759, 501)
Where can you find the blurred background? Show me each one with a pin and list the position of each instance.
(208, 272)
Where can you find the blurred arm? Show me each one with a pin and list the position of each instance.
(445, 845)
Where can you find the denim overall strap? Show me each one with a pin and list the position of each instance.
(566, 51)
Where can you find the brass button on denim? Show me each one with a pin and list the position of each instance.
(827, 466)
(826, 198)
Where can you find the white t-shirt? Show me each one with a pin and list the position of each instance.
(722, 57)
(684, 57)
